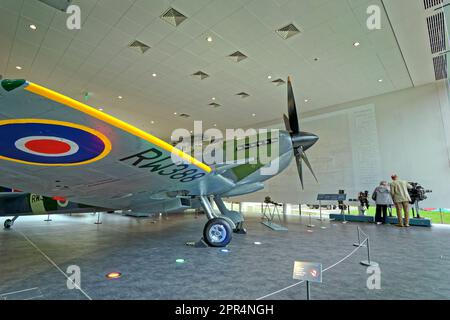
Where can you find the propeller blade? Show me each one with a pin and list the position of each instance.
(308, 164)
(286, 123)
(292, 109)
(298, 159)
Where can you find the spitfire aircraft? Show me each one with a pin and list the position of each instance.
(72, 158)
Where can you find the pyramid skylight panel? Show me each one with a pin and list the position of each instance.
(288, 31)
(173, 17)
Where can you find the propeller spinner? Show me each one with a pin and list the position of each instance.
(301, 141)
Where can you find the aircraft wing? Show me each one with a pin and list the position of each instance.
(9, 195)
(55, 146)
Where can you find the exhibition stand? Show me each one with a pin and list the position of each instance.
(422, 222)
(339, 197)
(270, 209)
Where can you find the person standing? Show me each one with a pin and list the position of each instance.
(382, 197)
(400, 195)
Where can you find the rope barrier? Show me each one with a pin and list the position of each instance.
(361, 245)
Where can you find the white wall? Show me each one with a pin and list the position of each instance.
(364, 142)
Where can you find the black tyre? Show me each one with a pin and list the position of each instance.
(217, 232)
(8, 224)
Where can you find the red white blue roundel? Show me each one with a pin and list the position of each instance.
(48, 142)
(47, 146)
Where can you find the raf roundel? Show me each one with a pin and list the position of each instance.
(51, 143)
(47, 146)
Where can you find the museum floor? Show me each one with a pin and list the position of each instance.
(414, 262)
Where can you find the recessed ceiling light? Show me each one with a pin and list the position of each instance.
(120, 97)
(269, 77)
(209, 39)
(154, 75)
(254, 115)
(100, 109)
(356, 44)
(215, 125)
(214, 98)
(175, 113)
(152, 122)
(380, 80)
(33, 27)
(306, 100)
(18, 67)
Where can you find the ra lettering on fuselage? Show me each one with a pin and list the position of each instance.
(154, 160)
(36, 198)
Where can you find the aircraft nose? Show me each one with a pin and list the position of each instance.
(304, 139)
(309, 140)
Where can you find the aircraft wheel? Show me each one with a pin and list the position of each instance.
(217, 232)
(8, 223)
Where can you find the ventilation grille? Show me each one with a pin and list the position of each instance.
(279, 82)
(432, 3)
(243, 95)
(440, 67)
(201, 75)
(436, 31)
(184, 115)
(288, 31)
(238, 56)
(139, 46)
(214, 105)
(173, 17)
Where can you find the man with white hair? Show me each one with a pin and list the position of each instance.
(400, 195)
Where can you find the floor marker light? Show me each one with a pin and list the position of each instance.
(113, 275)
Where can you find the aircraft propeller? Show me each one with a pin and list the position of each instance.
(301, 141)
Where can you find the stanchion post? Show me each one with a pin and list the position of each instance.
(48, 218)
(308, 291)
(359, 244)
(310, 225)
(343, 214)
(368, 262)
(320, 209)
(98, 218)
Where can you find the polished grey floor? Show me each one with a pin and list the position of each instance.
(34, 256)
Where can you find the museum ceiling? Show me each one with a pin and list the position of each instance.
(220, 63)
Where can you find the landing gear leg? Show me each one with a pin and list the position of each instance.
(9, 222)
(240, 228)
(236, 217)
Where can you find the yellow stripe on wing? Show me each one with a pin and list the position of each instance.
(60, 98)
